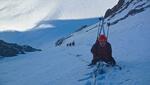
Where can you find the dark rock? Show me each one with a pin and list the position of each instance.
(135, 11)
(108, 13)
(61, 40)
(81, 28)
(130, 13)
(12, 49)
(114, 9)
(28, 48)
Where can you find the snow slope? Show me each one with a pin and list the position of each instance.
(43, 35)
(68, 65)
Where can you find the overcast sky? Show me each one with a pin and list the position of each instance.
(22, 15)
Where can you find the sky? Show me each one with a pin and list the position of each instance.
(23, 15)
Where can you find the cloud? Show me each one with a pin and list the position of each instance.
(77, 9)
(22, 15)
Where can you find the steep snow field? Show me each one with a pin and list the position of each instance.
(68, 65)
(129, 39)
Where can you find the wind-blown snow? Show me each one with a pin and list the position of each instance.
(19, 15)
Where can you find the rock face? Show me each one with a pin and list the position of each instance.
(125, 9)
(114, 9)
(12, 49)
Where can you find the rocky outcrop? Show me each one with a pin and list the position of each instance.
(13, 49)
(124, 9)
(61, 40)
(81, 28)
(131, 13)
(114, 9)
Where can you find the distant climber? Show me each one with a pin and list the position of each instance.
(71, 44)
(102, 51)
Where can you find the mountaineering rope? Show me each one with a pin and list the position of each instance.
(108, 25)
(98, 30)
(102, 29)
(103, 26)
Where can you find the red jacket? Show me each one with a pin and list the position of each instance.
(101, 52)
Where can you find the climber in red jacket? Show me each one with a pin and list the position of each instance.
(102, 51)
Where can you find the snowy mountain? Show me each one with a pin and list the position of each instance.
(43, 35)
(62, 65)
(18, 15)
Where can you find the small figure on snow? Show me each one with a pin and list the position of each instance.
(102, 51)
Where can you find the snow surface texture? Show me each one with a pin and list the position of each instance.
(68, 65)
(22, 15)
